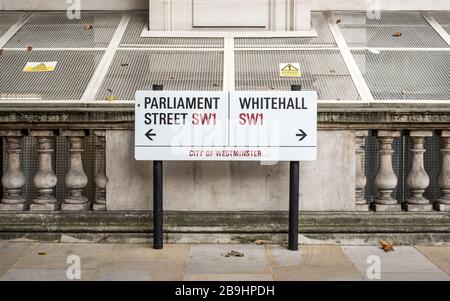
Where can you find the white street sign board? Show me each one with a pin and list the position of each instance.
(226, 126)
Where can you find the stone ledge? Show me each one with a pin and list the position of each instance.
(410, 116)
(225, 222)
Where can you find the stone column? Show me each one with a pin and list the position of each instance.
(418, 179)
(443, 203)
(386, 179)
(45, 179)
(100, 179)
(360, 177)
(13, 179)
(76, 179)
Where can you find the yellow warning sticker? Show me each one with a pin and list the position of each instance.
(290, 70)
(40, 67)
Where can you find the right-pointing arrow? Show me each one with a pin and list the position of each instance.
(301, 135)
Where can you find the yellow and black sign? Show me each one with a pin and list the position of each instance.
(40, 67)
(290, 70)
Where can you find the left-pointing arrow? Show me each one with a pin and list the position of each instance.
(150, 134)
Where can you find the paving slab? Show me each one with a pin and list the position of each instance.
(439, 255)
(141, 252)
(316, 273)
(317, 263)
(280, 256)
(80, 249)
(43, 275)
(209, 259)
(228, 277)
(403, 261)
(16, 249)
(36, 261)
(324, 255)
(147, 270)
(414, 277)
(7, 263)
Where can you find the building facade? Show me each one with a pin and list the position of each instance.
(381, 71)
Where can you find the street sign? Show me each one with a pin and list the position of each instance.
(226, 126)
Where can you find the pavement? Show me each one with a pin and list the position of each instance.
(89, 261)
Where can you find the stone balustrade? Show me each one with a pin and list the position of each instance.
(417, 180)
(45, 181)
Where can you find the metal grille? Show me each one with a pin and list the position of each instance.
(133, 70)
(383, 18)
(7, 20)
(323, 71)
(447, 28)
(406, 75)
(139, 20)
(67, 82)
(360, 31)
(60, 163)
(324, 38)
(401, 161)
(442, 17)
(56, 30)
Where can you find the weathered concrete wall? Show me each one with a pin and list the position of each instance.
(327, 184)
(143, 4)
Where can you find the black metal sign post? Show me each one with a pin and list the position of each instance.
(158, 198)
(294, 189)
(294, 181)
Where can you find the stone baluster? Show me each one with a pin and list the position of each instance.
(418, 179)
(443, 203)
(45, 179)
(13, 179)
(76, 179)
(386, 179)
(360, 177)
(100, 179)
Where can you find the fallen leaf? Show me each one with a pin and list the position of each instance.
(109, 90)
(260, 242)
(215, 84)
(387, 246)
(232, 254)
(124, 65)
(29, 48)
(332, 71)
(88, 26)
(1, 51)
(271, 87)
(397, 34)
(236, 254)
(338, 21)
(172, 77)
(42, 253)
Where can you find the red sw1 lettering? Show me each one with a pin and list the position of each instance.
(251, 119)
(204, 118)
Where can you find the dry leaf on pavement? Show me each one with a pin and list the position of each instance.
(387, 246)
(88, 26)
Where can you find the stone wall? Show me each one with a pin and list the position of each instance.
(327, 184)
